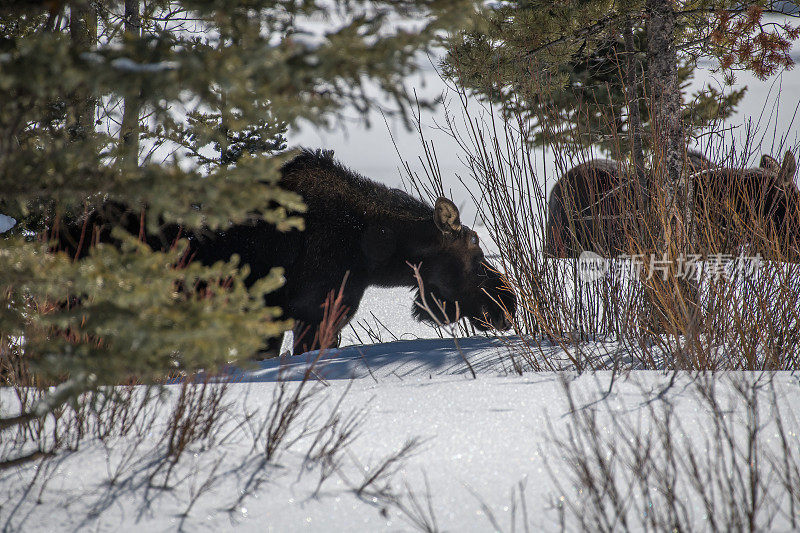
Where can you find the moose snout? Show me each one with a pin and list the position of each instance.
(497, 319)
(505, 324)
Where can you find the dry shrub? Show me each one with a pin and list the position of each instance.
(165, 439)
(626, 319)
(731, 466)
(194, 424)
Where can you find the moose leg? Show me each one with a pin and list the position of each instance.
(271, 350)
(314, 336)
(324, 332)
(319, 326)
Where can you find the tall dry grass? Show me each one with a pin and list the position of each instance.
(718, 320)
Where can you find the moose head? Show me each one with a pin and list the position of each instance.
(457, 278)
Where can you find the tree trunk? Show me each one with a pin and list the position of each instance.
(634, 117)
(677, 297)
(662, 65)
(83, 34)
(129, 132)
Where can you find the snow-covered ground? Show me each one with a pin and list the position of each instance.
(6, 223)
(477, 442)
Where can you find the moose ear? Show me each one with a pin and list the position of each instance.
(769, 163)
(446, 216)
(788, 168)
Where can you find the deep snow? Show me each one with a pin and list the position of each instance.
(479, 438)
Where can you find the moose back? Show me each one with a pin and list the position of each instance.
(357, 233)
(591, 208)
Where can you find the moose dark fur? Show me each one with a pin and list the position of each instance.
(357, 233)
(590, 208)
(756, 207)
